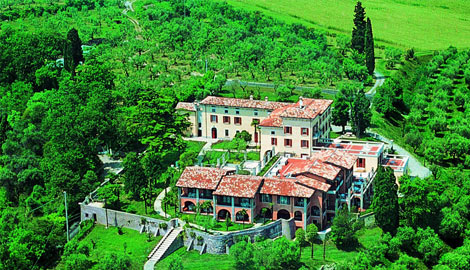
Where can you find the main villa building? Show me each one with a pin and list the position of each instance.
(287, 127)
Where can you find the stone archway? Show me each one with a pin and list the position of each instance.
(240, 217)
(223, 214)
(284, 214)
(298, 215)
(189, 206)
(267, 214)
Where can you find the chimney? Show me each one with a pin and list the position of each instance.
(265, 98)
(301, 102)
(251, 97)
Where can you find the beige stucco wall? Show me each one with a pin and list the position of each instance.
(297, 124)
(372, 163)
(246, 114)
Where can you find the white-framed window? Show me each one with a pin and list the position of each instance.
(255, 112)
(237, 111)
(273, 132)
(226, 110)
(226, 133)
(213, 109)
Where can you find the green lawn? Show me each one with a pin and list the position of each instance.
(109, 241)
(204, 220)
(194, 146)
(192, 260)
(424, 25)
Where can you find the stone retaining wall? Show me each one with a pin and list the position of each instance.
(119, 218)
(215, 243)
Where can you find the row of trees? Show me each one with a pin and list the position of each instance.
(362, 39)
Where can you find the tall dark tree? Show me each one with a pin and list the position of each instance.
(369, 48)
(359, 30)
(73, 53)
(385, 202)
(360, 113)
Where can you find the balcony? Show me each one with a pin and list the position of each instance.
(191, 195)
(243, 202)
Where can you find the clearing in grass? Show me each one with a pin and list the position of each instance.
(424, 25)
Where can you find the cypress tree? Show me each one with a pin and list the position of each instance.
(73, 53)
(360, 113)
(385, 202)
(358, 33)
(369, 48)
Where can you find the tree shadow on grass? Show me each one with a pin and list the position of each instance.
(353, 245)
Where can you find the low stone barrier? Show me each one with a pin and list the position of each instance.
(214, 243)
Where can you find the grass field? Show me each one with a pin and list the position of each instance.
(192, 260)
(109, 241)
(424, 25)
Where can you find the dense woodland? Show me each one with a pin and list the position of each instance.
(60, 105)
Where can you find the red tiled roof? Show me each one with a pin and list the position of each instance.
(336, 157)
(244, 186)
(186, 106)
(243, 103)
(201, 177)
(314, 166)
(313, 183)
(310, 109)
(285, 187)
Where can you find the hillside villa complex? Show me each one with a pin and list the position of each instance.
(311, 180)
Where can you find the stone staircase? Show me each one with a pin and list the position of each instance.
(158, 252)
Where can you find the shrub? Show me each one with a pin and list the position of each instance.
(163, 226)
(192, 234)
(409, 54)
(131, 209)
(119, 230)
(199, 240)
(244, 172)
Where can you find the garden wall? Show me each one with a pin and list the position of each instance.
(118, 218)
(218, 244)
(214, 243)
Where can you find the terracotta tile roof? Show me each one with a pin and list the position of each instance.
(313, 183)
(310, 109)
(285, 187)
(186, 106)
(243, 103)
(201, 177)
(244, 186)
(315, 166)
(336, 157)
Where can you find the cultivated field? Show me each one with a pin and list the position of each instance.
(424, 25)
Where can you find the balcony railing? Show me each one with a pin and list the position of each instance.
(243, 205)
(299, 203)
(189, 195)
